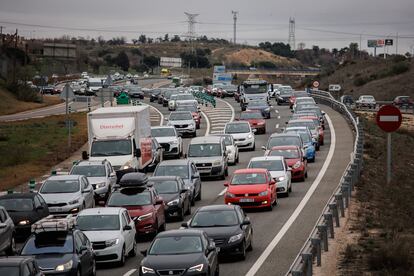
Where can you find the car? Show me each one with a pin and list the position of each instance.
(7, 233)
(278, 169)
(187, 170)
(157, 154)
(228, 90)
(255, 119)
(170, 141)
(111, 232)
(48, 89)
(295, 95)
(24, 209)
(310, 124)
(172, 104)
(347, 100)
(232, 148)
(181, 252)
(144, 205)
(100, 175)
(60, 248)
(283, 139)
(183, 122)
(320, 132)
(366, 101)
(227, 225)
(154, 95)
(237, 96)
(283, 95)
(259, 105)
(242, 133)
(67, 193)
(176, 196)
(309, 143)
(251, 188)
(194, 111)
(135, 92)
(295, 160)
(19, 265)
(167, 95)
(314, 109)
(209, 154)
(403, 102)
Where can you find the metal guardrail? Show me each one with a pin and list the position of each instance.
(324, 230)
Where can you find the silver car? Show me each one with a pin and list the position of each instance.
(183, 122)
(67, 193)
(168, 138)
(7, 243)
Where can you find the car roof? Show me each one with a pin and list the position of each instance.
(89, 163)
(263, 158)
(205, 139)
(13, 260)
(300, 120)
(284, 148)
(174, 162)
(257, 170)
(297, 128)
(283, 135)
(180, 233)
(216, 207)
(18, 195)
(157, 127)
(238, 122)
(65, 177)
(101, 210)
(168, 177)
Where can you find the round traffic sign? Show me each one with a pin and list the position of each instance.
(389, 118)
(316, 84)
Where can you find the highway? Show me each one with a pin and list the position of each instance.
(278, 235)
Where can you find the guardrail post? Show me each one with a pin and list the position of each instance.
(345, 192)
(334, 210)
(307, 257)
(340, 204)
(316, 243)
(329, 220)
(297, 273)
(324, 236)
(349, 180)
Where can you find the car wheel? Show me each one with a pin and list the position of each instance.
(198, 126)
(243, 253)
(237, 159)
(195, 134)
(12, 248)
(133, 251)
(270, 208)
(198, 197)
(250, 247)
(322, 143)
(217, 272)
(290, 188)
(312, 160)
(188, 209)
(192, 200)
(226, 172)
(306, 174)
(78, 273)
(181, 216)
(122, 261)
(254, 147)
(93, 272)
(162, 227)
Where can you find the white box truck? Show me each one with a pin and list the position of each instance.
(122, 135)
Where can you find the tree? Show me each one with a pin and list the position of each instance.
(122, 60)
(176, 38)
(315, 50)
(142, 38)
(278, 48)
(101, 40)
(166, 38)
(353, 49)
(151, 62)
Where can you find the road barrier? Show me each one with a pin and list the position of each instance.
(324, 230)
(204, 98)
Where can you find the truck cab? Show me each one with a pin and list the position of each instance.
(251, 90)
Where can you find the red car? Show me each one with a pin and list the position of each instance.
(251, 188)
(255, 119)
(320, 128)
(294, 158)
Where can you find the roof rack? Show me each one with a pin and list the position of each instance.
(54, 223)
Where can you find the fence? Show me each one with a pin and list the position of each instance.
(324, 230)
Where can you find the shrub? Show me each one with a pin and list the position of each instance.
(23, 92)
(391, 256)
(399, 68)
(136, 51)
(360, 81)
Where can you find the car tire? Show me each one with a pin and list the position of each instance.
(188, 209)
(250, 247)
(237, 159)
(270, 208)
(198, 197)
(322, 143)
(162, 227)
(195, 134)
(290, 188)
(254, 147)
(93, 272)
(78, 273)
(181, 216)
(122, 261)
(312, 160)
(133, 251)
(226, 172)
(242, 255)
(217, 272)
(12, 248)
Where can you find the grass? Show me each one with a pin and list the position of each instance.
(33, 146)
(10, 105)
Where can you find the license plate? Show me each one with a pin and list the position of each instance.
(56, 209)
(246, 200)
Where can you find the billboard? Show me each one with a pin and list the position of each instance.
(219, 69)
(59, 50)
(222, 78)
(389, 42)
(170, 62)
(375, 43)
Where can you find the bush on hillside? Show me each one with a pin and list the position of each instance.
(23, 92)
(360, 81)
(399, 68)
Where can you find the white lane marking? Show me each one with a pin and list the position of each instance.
(130, 272)
(278, 117)
(277, 125)
(388, 118)
(231, 107)
(277, 111)
(223, 192)
(259, 262)
(207, 122)
(161, 115)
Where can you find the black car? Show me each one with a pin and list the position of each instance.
(180, 252)
(283, 96)
(49, 89)
(154, 95)
(135, 92)
(261, 106)
(347, 100)
(176, 197)
(24, 209)
(403, 102)
(62, 252)
(17, 265)
(227, 225)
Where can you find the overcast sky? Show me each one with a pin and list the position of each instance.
(327, 23)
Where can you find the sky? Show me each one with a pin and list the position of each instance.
(326, 23)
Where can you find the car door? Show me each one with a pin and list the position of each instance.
(248, 231)
(87, 192)
(86, 256)
(45, 212)
(159, 208)
(195, 179)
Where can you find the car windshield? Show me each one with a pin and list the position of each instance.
(129, 197)
(204, 150)
(190, 108)
(300, 94)
(10, 270)
(309, 124)
(89, 171)
(111, 148)
(250, 115)
(178, 116)
(305, 101)
(48, 243)
(287, 153)
(176, 245)
(184, 97)
(230, 87)
(163, 132)
(306, 138)
(371, 98)
(17, 204)
(255, 89)
(284, 141)
(237, 128)
(248, 179)
(98, 222)
(270, 165)
(214, 218)
(172, 170)
(60, 186)
(166, 186)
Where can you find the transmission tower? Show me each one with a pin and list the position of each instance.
(191, 22)
(292, 33)
(234, 25)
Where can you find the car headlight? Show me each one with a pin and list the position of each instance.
(296, 165)
(260, 123)
(112, 242)
(235, 238)
(249, 136)
(280, 178)
(175, 142)
(76, 201)
(65, 266)
(146, 270)
(197, 268)
(126, 166)
(173, 202)
(144, 217)
(100, 185)
(230, 195)
(24, 222)
(264, 193)
(217, 163)
(267, 109)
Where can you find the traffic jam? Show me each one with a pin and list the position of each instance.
(140, 190)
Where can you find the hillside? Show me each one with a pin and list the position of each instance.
(384, 79)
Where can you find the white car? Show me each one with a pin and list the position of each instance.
(365, 101)
(279, 170)
(67, 194)
(168, 138)
(111, 232)
(231, 147)
(242, 133)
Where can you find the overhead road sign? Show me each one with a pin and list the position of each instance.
(170, 62)
(219, 69)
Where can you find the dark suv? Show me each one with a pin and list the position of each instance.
(17, 265)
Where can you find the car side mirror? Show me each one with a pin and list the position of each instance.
(85, 155)
(3, 225)
(184, 224)
(246, 221)
(304, 158)
(82, 249)
(185, 155)
(159, 200)
(226, 184)
(184, 190)
(289, 169)
(323, 113)
(272, 182)
(195, 176)
(254, 130)
(112, 174)
(211, 246)
(263, 147)
(39, 208)
(144, 252)
(87, 190)
(137, 153)
(127, 227)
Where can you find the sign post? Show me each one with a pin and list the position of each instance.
(67, 93)
(389, 119)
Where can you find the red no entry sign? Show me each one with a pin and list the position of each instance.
(389, 118)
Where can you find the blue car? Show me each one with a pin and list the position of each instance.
(308, 143)
(260, 105)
